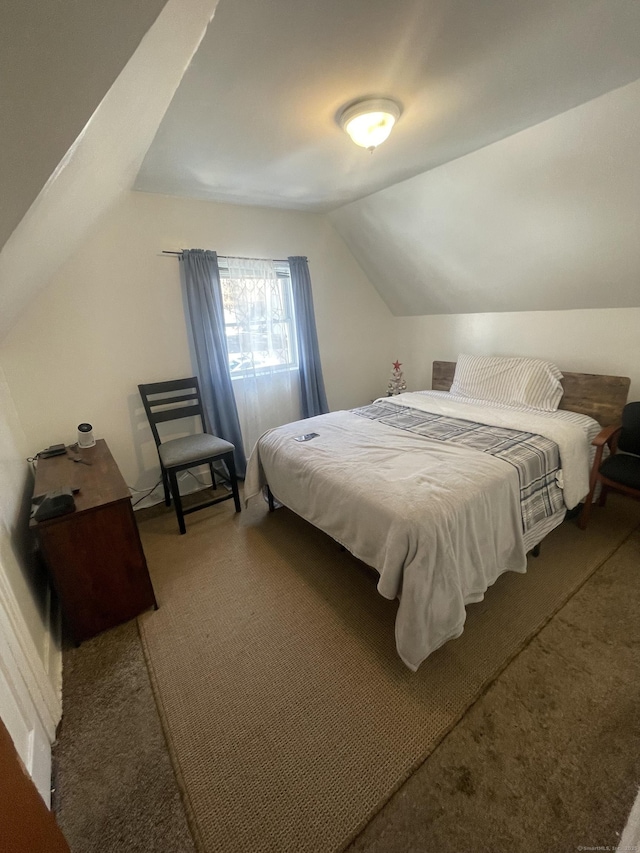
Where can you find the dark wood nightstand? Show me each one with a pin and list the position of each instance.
(93, 554)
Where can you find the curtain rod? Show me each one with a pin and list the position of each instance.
(234, 257)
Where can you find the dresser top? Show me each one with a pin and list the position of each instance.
(99, 482)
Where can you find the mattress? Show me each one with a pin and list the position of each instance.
(439, 496)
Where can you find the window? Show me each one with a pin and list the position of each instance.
(259, 316)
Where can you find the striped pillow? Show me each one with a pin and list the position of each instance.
(528, 382)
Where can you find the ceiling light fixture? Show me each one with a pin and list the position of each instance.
(369, 121)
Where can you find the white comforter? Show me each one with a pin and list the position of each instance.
(439, 522)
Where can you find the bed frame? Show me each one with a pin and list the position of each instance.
(601, 397)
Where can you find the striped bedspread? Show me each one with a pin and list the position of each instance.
(536, 458)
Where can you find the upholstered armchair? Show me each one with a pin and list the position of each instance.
(620, 471)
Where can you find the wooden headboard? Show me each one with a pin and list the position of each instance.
(601, 397)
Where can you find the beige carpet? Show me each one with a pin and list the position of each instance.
(288, 715)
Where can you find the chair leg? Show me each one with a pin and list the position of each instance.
(177, 502)
(603, 495)
(213, 476)
(167, 493)
(231, 466)
(583, 518)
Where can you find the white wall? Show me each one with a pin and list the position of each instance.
(16, 484)
(113, 317)
(582, 341)
(30, 656)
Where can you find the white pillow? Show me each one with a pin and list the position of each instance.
(528, 382)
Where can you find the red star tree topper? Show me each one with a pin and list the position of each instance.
(396, 384)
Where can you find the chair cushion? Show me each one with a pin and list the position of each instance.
(192, 448)
(622, 468)
(629, 439)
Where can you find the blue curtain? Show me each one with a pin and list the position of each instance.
(313, 398)
(201, 277)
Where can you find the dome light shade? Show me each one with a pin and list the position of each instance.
(369, 121)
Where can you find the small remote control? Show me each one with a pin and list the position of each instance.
(306, 437)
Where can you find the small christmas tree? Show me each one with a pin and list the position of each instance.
(396, 384)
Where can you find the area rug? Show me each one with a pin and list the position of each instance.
(289, 718)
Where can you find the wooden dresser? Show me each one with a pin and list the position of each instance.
(94, 554)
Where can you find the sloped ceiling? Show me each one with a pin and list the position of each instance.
(546, 219)
(253, 120)
(57, 61)
(104, 159)
(510, 182)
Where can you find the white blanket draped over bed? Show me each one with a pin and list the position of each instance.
(439, 522)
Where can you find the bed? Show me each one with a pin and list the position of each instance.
(439, 491)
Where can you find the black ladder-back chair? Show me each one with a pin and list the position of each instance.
(620, 471)
(173, 400)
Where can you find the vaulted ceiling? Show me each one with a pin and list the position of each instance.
(508, 184)
(57, 61)
(107, 126)
(467, 207)
(253, 120)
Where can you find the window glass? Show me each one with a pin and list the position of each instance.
(259, 317)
